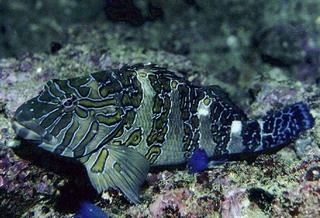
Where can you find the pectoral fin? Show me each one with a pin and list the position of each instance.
(117, 167)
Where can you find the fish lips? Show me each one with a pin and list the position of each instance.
(31, 131)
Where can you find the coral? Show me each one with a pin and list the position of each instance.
(33, 34)
(233, 203)
(21, 184)
(281, 45)
(299, 201)
(290, 46)
(126, 10)
(171, 203)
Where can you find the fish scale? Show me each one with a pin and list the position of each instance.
(120, 122)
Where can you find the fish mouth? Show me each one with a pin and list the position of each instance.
(32, 131)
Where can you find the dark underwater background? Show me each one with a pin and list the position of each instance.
(265, 54)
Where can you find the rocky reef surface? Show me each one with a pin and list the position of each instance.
(265, 54)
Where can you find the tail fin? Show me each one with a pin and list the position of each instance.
(271, 132)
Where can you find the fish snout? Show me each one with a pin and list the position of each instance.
(31, 131)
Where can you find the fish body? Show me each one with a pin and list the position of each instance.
(121, 122)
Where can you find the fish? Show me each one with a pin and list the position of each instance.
(119, 123)
(198, 161)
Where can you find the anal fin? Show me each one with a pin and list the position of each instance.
(117, 167)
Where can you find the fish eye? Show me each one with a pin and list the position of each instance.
(69, 102)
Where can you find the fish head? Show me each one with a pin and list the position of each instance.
(42, 118)
(67, 112)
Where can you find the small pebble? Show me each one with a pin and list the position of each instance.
(13, 143)
(313, 174)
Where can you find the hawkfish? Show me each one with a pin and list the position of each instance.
(119, 123)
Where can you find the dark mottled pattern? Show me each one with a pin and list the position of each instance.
(282, 126)
(223, 112)
(251, 135)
